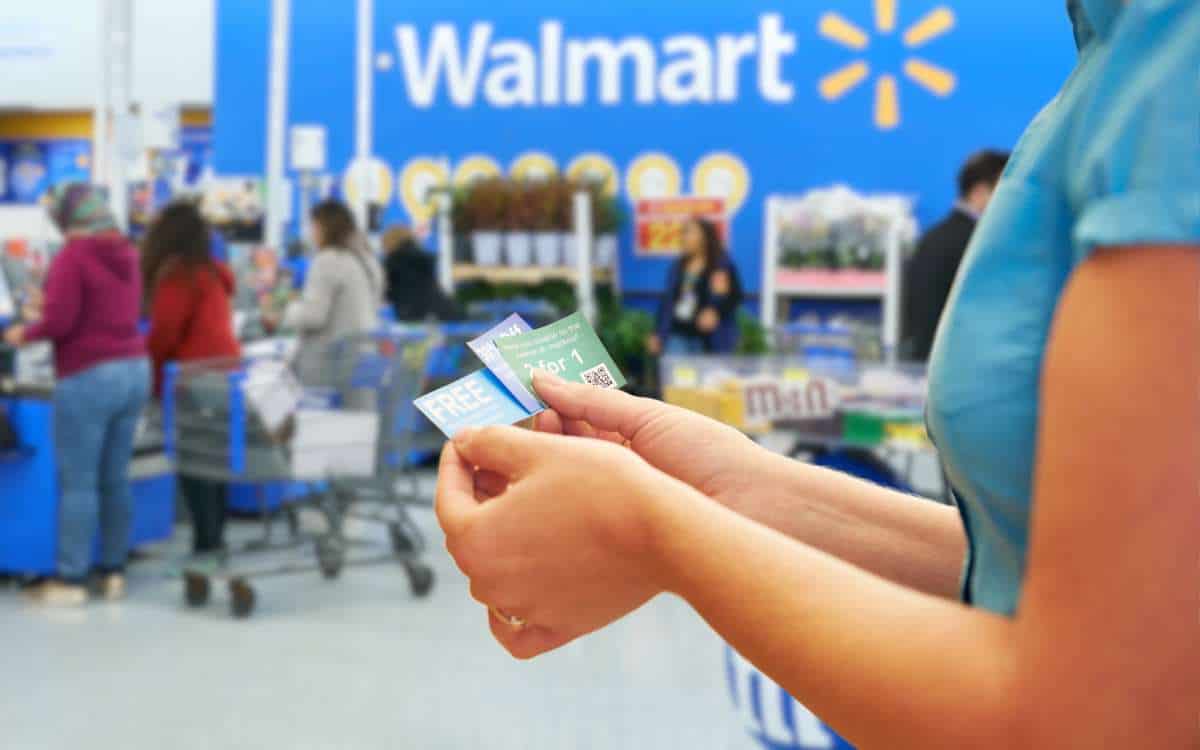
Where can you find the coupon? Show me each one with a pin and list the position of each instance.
(477, 400)
(568, 348)
(484, 347)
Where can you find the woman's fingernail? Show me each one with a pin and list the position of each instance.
(545, 376)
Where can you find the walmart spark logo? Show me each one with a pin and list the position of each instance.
(934, 79)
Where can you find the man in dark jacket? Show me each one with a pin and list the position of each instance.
(930, 272)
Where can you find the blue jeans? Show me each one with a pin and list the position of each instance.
(679, 345)
(95, 418)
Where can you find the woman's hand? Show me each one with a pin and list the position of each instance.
(550, 530)
(708, 320)
(14, 335)
(714, 458)
(654, 345)
(35, 301)
(720, 285)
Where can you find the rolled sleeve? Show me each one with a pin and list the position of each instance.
(1139, 218)
(1134, 174)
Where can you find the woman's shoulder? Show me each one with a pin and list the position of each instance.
(208, 275)
(333, 257)
(327, 261)
(171, 275)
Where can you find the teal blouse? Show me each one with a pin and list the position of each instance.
(1113, 159)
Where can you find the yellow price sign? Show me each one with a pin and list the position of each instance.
(663, 236)
(660, 222)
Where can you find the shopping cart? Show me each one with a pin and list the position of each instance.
(344, 443)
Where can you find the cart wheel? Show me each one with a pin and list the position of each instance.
(195, 589)
(420, 578)
(241, 598)
(402, 544)
(331, 554)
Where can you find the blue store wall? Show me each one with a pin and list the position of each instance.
(1007, 59)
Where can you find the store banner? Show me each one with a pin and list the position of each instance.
(659, 222)
(736, 101)
(29, 168)
(29, 172)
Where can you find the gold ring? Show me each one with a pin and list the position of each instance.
(511, 620)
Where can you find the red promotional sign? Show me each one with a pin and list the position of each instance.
(660, 222)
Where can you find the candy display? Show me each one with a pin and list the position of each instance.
(864, 405)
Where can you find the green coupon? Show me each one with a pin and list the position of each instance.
(568, 348)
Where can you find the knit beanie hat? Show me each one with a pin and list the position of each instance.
(80, 207)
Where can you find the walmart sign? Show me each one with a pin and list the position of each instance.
(744, 99)
(564, 71)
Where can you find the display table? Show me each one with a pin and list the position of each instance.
(29, 488)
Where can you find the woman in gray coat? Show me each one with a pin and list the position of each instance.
(342, 292)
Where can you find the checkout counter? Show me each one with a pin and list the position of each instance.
(29, 469)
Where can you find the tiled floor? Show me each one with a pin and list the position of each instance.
(352, 664)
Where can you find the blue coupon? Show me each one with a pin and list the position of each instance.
(484, 347)
(476, 400)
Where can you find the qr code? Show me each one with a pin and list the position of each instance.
(599, 376)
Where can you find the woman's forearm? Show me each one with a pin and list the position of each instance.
(888, 666)
(914, 542)
(908, 540)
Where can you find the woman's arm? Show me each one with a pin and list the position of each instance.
(725, 291)
(1105, 649)
(63, 298)
(905, 539)
(908, 540)
(311, 312)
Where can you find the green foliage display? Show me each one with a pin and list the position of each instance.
(560, 294)
(752, 336)
(608, 212)
(624, 333)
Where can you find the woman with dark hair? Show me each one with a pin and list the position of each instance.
(90, 313)
(698, 313)
(190, 298)
(342, 291)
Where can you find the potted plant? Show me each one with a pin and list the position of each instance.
(520, 220)
(486, 209)
(547, 197)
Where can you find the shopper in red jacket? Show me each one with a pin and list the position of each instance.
(190, 296)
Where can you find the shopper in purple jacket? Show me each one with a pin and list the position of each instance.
(90, 313)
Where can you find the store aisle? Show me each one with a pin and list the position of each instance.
(356, 664)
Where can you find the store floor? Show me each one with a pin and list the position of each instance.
(352, 664)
